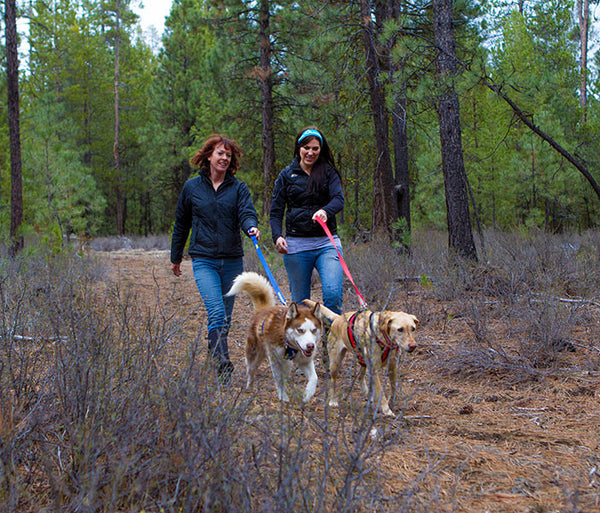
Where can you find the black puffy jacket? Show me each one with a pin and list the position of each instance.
(215, 218)
(291, 191)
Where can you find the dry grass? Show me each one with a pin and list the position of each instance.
(106, 403)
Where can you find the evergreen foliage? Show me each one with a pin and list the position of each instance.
(206, 78)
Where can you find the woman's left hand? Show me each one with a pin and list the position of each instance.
(254, 231)
(320, 213)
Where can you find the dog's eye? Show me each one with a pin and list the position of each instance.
(301, 331)
(400, 330)
(314, 331)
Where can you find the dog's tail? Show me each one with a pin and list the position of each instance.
(325, 312)
(257, 287)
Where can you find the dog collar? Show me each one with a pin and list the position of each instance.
(387, 341)
(387, 345)
(290, 352)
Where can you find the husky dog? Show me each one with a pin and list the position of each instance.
(375, 338)
(284, 335)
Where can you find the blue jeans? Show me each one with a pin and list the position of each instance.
(214, 277)
(326, 261)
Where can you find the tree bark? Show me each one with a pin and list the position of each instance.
(16, 175)
(583, 14)
(460, 233)
(400, 143)
(116, 157)
(385, 210)
(401, 161)
(268, 116)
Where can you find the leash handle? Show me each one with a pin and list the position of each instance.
(267, 270)
(361, 299)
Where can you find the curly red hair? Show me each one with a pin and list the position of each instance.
(200, 159)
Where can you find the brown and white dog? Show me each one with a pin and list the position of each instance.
(282, 334)
(375, 338)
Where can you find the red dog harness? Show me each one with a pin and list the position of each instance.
(387, 346)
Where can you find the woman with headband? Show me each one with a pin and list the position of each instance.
(308, 188)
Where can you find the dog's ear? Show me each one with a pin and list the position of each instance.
(415, 319)
(384, 321)
(292, 312)
(316, 311)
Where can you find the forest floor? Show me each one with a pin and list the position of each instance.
(479, 444)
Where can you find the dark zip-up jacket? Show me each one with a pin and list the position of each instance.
(291, 191)
(215, 218)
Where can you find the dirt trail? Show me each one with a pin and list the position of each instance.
(483, 445)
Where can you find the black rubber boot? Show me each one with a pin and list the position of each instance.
(219, 352)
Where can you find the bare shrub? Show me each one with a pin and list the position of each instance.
(106, 406)
(545, 285)
(564, 264)
(151, 242)
(546, 332)
(381, 272)
(484, 352)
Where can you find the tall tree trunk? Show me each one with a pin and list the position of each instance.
(400, 136)
(356, 190)
(266, 89)
(120, 212)
(14, 130)
(385, 210)
(401, 161)
(583, 14)
(457, 204)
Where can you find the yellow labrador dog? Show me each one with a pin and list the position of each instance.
(375, 338)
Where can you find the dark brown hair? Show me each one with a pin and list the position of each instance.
(317, 175)
(200, 159)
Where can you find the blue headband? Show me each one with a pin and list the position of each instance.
(308, 132)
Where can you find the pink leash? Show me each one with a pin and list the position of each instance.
(361, 299)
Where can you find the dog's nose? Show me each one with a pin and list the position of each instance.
(309, 350)
(411, 348)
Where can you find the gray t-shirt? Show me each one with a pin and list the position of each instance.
(299, 244)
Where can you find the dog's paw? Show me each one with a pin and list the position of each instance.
(308, 394)
(333, 403)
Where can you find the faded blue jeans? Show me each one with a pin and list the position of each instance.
(326, 261)
(214, 277)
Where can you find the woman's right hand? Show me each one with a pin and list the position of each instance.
(281, 245)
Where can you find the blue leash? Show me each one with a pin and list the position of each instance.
(267, 270)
